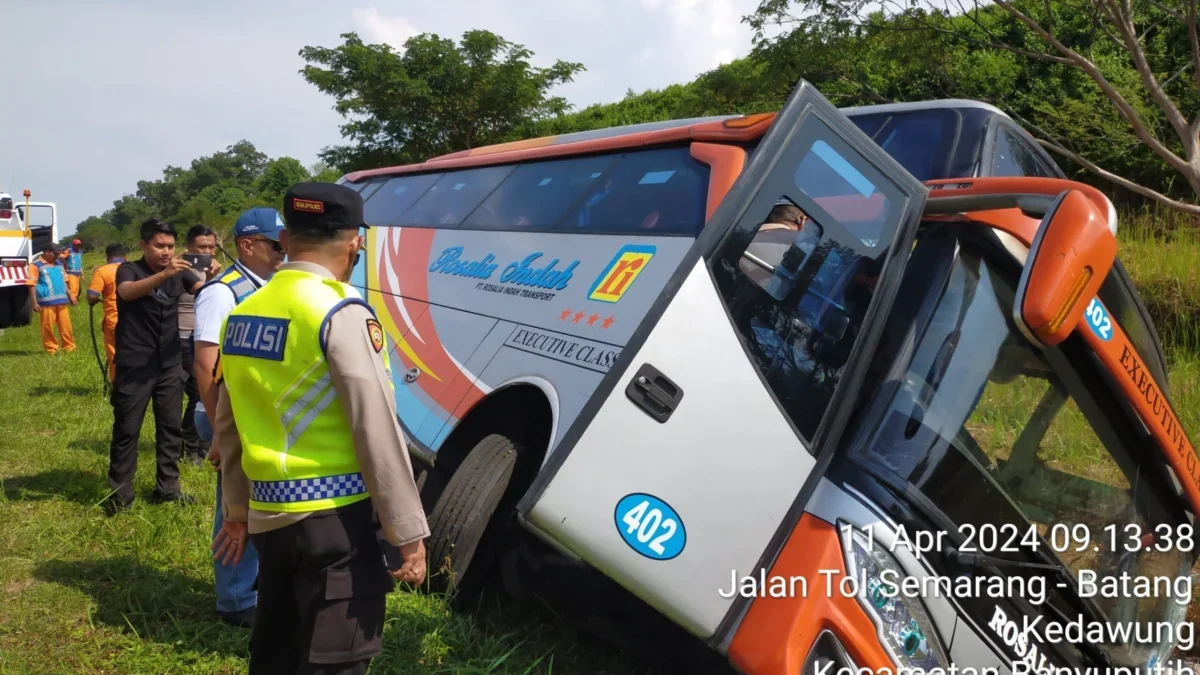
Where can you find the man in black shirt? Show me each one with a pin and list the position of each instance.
(149, 364)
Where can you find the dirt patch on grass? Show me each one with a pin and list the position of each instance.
(17, 586)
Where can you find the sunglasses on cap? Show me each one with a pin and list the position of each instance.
(274, 244)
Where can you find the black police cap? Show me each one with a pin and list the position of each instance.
(322, 206)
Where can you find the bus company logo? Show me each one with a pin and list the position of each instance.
(620, 273)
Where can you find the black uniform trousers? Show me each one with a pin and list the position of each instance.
(192, 443)
(322, 589)
(133, 389)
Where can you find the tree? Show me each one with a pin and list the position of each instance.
(434, 98)
(1103, 83)
(281, 174)
(96, 233)
(323, 173)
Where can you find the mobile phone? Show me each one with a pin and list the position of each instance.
(391, 555)
(198, 261)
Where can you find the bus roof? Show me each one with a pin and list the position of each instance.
(719, 128)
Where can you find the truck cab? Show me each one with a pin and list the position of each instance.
(23, 236)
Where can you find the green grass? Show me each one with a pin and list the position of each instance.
(1161, 251)
(81, 593)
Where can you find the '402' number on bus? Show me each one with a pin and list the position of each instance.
(650, 527)
(1098, 320)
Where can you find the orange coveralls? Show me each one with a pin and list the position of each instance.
(104, 285)
(53, 314)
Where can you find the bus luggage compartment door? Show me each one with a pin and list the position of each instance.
(686, 469)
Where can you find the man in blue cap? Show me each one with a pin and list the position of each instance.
(259, 254)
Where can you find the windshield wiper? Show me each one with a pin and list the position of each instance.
(980, 560)
(1063, 572)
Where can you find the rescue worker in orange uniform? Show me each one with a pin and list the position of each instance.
(48, 293)
(104, 287)
(73, 260)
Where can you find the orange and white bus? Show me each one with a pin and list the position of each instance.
(733, 366)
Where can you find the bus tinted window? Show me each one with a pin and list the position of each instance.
(395, 197)
(654, 192)
(453, 196)
(911, 139)
(537, 195)
(844, 192)
(371, 187)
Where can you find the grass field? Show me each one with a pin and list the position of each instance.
(80, 593)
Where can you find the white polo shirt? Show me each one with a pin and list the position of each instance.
(213, 306)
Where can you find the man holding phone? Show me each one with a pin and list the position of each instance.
(149, 364)
(201, 247)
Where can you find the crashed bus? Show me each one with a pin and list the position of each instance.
(764, 373)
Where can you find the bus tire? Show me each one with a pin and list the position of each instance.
(464, 510)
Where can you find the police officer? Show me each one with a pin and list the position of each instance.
(314, 464)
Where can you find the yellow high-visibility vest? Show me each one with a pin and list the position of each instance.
(297, 444)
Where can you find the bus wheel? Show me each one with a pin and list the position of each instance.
(464, 510)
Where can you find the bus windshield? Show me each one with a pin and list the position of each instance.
(922, 141)
(992, 432)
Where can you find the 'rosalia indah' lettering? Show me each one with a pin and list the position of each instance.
(521, 273)
(525, 274)
(448, 263)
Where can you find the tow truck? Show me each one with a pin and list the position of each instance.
(26, 229)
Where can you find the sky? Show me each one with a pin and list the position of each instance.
(104, 93)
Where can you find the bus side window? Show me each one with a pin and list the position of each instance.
(389, 202)
(448, 201)
(653, 192)
(535, 196)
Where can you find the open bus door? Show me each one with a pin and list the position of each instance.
(695, 456)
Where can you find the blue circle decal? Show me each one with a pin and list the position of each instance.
(1098, 320)
(650, 526)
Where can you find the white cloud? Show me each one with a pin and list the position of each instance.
(392, 30)
(702, 34)
(167, 82)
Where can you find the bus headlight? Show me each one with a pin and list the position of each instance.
(905, 629)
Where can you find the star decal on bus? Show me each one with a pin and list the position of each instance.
(569, 314)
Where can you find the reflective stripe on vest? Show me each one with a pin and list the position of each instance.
(75, 263)
(297, 444)
(242, 288)
(51, 284)
(234, 280)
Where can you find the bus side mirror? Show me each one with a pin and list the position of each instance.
(1071, 255)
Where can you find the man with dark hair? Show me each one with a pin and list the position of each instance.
(104, 287)
(149, 365)
(313, 462)
(202, 240)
